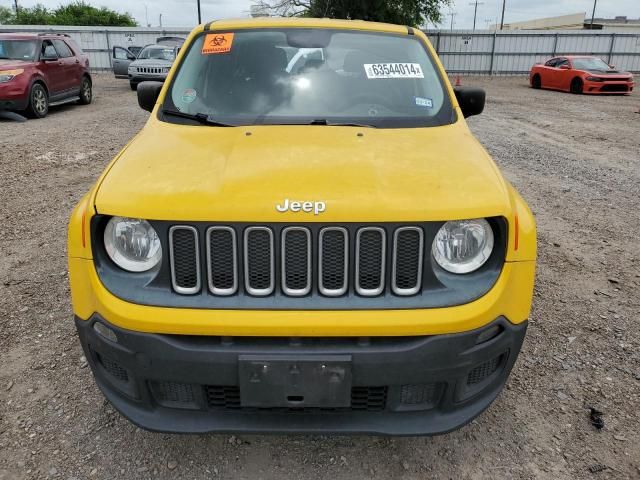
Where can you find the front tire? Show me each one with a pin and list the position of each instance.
(576, 86)
(86, 91)
(536, 82)
(38, 101)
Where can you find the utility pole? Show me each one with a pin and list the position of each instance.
(160, 20)
(475, 11)
(593, 14)
(452, 15)
(504, 4)
(199, 14)
(16, 2)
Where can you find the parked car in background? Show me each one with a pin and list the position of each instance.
(123, 57)
(580, 74)
(42, 70)
(153, 63)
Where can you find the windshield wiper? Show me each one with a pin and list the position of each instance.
(202, 118)
(325, 122)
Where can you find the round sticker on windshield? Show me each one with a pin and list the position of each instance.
(189, 95)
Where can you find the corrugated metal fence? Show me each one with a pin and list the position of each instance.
(462, 51)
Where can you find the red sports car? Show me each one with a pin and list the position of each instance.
(580, 75)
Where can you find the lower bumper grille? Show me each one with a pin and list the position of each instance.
(371, 399)
(615, 88)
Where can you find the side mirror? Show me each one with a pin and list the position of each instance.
(612, 67)
(564, 67)
(148, 93)
(471, 100)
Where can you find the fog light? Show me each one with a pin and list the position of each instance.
(105, 332)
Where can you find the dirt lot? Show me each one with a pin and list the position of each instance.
(575, 159)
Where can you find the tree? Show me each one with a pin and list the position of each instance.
(404, 12)
(75, 13)
(7, 17)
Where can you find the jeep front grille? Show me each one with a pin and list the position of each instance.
(297, 259)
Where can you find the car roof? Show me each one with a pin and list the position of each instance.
(284, 22)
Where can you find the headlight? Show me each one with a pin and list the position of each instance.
(131, 69)
(166, 69)
(8, 75)
(463, 246)
(132, 244)
(594, 79)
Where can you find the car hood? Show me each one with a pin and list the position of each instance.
(151, 62)
(10, 64)
(202, 173)
(616, 73)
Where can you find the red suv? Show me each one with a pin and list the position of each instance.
(41, 70)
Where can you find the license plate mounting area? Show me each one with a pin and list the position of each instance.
(295, 381)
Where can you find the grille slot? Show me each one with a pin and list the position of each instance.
(296, 261)
(113, 368)
(420, 393)
(370, 261)
(222, 260)
(174, 393)
(408, 246)
(259, 261)
(484, 370)
(219, 396)
(333, 263)
(371, 399)
(184, 258)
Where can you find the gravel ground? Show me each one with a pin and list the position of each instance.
(574, 158)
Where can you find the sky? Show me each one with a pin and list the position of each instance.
(183, 13)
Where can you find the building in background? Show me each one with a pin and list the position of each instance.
(575, 21)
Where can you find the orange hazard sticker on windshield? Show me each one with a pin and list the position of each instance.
(217, 43)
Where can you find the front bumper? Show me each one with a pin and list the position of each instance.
(13, 96)
(608, 87)
(137, 78)
(419, 385)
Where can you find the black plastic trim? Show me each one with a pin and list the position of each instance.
(393, 362)
(439, 287)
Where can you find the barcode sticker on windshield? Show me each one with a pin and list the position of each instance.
(393, 70)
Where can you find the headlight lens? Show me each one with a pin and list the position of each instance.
(594, 79)
(132, 244)
(8, 75)
(463, 246)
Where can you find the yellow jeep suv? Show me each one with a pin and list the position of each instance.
(305, 237)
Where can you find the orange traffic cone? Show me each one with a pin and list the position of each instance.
(458, 82)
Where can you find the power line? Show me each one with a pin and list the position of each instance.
(475, 11)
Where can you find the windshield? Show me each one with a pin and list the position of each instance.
(158, 53)
(18, 49)
(590, 64)
(303, 76)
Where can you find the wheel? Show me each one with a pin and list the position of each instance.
(576, 86)
(536, 81)
(38, 101)
(86, 91)
(134, 86)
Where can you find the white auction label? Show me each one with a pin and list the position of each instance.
(393, 70)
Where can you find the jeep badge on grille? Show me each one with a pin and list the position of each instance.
(307, 207)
